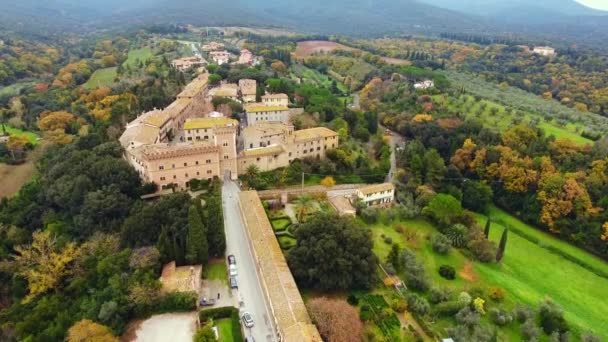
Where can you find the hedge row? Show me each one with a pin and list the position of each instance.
(224, 312)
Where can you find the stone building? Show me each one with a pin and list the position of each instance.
(259, 112)
(377, 195)
(248, 89)
(275, 100)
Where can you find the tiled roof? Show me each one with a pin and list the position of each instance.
(177, 107)
(287, 305)
(202, 123)
(195, 87)
(314, 133)
(275, 96)
(248, 87)
(263, 151)
(370, 189)
(141, 133)
(258, 108)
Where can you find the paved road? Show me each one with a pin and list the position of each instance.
(395, 141)
(250, 289)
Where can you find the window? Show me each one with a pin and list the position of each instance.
(290, 154)
(197, 162)
(173, 166)
(226, 144)
(208, 172)
(186, 176)
(160, 167)
(312, 149)
(225, 157)
(250, 145)
(185, 164)
(162, 178)
(208, 161)
(174, 177)
(198, 173)
(257, 159)
(318, 149)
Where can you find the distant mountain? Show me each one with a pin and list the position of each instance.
(547, 19)
(508, 8)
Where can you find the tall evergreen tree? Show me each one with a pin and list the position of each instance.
(164, 247)
(215, 222)
(501, 246)
(197, 248)
(486, 231)
(394, 258)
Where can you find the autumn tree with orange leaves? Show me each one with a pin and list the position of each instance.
(336, 320)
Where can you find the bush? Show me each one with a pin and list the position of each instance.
(500, 317)
(464, 298)
(417, 304)
(177, 301)
(388, 240)
(523, 313)
(365, 313)
(352, 300)
(440, 294)
(497, 294)
(399, 305)
(552, 318)
(224, 312)
(447, 272)
(448, 308)
(458, 235)
(441, 244)
(369, 215)
(530, 331)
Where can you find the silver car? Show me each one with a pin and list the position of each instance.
(247, 319)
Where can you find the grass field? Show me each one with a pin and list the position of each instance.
(31, 136)
(497, 116)
(216, 270)
(528, 272)
(101, 77)
(137, 55)
(225, 330)
(312, 76)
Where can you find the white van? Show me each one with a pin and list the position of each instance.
(232, 269)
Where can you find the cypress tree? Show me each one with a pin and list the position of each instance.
(215, 222)
(164, 247)
(197, 249)
(501, 246)
(486, 231)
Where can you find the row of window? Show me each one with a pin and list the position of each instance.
(208, 161)
(186, 175)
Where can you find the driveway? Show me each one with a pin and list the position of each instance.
(250, 289)
(174, 327)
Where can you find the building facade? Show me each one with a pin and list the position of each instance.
(275, 100)
(377, 195)
(248, 90)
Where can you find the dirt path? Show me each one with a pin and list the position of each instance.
(174, 327)
(12, 177)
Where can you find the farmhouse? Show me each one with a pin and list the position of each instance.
(377, 195)
(544, 50)
(213, 46)
(220, 57)
(187, 63)
(424, 84)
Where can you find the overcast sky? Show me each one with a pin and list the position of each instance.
(599, 4)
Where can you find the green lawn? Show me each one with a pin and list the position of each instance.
(31, 136)
(528, 272)
(280, 224)
(14, 89)
(137, 55)
(225, 330)
(563, 133)
(101, 77)
(216, 270)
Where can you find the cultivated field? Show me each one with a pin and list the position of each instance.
(309, 47)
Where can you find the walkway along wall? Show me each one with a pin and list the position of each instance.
(286, 304)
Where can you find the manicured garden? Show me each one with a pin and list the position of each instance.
(528, 273)
(224, 326)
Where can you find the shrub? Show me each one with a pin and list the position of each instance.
(483, 249)
(399, 305)
(440, 294)
(369, 215)
(523, 313)
(497, 294)
(529, 331)
(417, 304)
(552, 318)
(448, 308)
(224, 312)
(388, 240)
(468, 317)
(500, 317)
(352, 300)
(365, 313)
(458, 235)
(177, 301)
(447, 272)
(589, 337)
(464, 298)
(441, 244)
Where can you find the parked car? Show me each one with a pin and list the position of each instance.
(207, 302)
(249, 339)
(231, 260)
(247, 319)
(233, 270)
(233, 283)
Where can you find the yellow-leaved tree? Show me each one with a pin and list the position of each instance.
(88, 331)
(44, 263)
(328, 182)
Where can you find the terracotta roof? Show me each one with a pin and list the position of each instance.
(142, 134)
(195, 87)
(225, 90)
(342, 205)
(287, 305)
(275, 96)
(263, 151)
(157, 119)
(248, 87)
(202, 123)
(370, 189)
(268, 128)
(177, 107)
(314, 133)
(259, 107)
(160, 151)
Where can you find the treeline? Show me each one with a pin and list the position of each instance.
(484, 39)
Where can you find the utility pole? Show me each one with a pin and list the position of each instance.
(302, 183)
